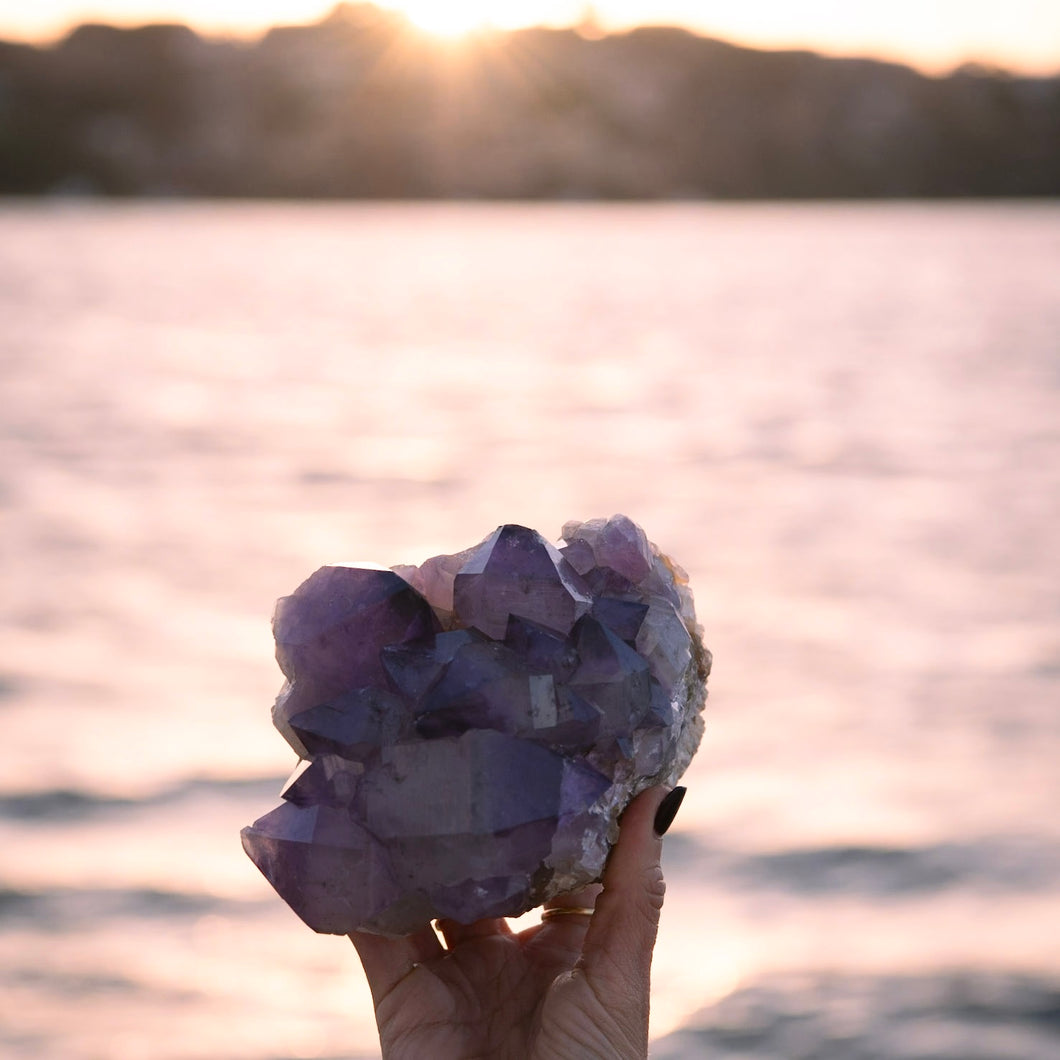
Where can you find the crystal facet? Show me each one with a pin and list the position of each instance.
(472, 728)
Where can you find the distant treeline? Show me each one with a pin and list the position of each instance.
(362, 105)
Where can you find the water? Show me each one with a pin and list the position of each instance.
(843, 420)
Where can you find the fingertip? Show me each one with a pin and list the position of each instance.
(639, 817)
(667, 811)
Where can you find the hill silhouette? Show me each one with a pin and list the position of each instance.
(362, 105)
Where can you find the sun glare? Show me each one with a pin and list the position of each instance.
(448, 18)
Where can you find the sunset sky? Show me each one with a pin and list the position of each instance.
(1022, 35)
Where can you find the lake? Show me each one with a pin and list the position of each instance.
(843, 420)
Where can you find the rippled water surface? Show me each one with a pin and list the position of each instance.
(844, 421)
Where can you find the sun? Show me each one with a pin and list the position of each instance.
(448, 18)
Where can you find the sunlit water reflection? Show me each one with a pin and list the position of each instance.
(843, 420)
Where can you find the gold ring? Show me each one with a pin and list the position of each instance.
(566, 910)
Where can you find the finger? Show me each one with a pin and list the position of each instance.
(565, 919)
(387, 961)
(555, 944)
(618, 946)
(456, 933)
(574, 909)
(583, 899)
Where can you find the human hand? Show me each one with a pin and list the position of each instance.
(573, 987)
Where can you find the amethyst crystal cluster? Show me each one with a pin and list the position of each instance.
(471, 729)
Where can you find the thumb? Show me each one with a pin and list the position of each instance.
(616, 956)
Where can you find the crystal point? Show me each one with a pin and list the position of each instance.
(331, 631)
(472, 728)
(515, 571)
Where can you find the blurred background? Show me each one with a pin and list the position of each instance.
(364, 286)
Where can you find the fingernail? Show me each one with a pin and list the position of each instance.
(667, 811)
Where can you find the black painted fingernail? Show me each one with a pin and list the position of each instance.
(667, 811)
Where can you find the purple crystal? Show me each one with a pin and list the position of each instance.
(485, 686)
(617, 544)
(310, 853)
(473, 727)
(327, 780)
(611, 676)
(515, 571)
(353, 724)
(331, 631)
